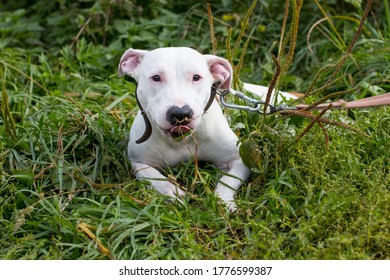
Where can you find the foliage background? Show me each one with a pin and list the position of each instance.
(66, 191)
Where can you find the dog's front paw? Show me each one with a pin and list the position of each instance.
(231, 206)
(227, 197)
(168, 189)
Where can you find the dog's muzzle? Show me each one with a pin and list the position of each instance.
(178, 117)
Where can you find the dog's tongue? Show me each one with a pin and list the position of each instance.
(180, 130)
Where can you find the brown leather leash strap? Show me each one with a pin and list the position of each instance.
(373, 101)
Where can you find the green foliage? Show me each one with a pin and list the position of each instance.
(66, 191)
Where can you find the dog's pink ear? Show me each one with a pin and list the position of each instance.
(221, 70)
(130, 61)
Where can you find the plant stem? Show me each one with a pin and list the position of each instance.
(387, 12)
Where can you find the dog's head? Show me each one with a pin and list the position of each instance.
(174, 85)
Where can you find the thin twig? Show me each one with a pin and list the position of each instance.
(313, 122)
(330, 23)
(281, 42)
(272, 84)
(244, 25)
(9, 122)
(75, 39)
(328, 84)
(354, 40)
(211, 27)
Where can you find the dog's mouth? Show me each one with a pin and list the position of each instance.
(179, 132)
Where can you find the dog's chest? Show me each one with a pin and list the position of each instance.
(163, 154)
(181, 154)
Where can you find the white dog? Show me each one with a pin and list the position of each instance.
(178, 119)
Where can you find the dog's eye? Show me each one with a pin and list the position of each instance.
(196, 78)
(156, 78)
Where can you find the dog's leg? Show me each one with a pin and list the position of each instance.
(236, 174)
(157, 180)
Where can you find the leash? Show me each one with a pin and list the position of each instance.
(373, 101)
(257, 105)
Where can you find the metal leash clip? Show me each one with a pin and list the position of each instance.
(258, 105)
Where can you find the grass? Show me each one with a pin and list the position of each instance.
(66, 191)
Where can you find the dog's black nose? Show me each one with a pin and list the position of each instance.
(179, 116)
